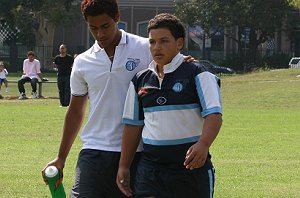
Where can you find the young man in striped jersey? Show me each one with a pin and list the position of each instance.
(176, 108)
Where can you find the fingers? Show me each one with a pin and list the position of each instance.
(194, 159)
(188, 158)
(124, 185)
(195, 162)
(59, 164)
(44, 177)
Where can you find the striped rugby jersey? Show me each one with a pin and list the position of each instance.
(172, 110)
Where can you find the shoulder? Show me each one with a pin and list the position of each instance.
(142, 75)
(194, 66)
(69, 56)
(135, 39)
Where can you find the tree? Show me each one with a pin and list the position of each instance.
(260, 18)
(36, 20)
(42, 16)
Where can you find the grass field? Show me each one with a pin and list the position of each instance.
(256, 155)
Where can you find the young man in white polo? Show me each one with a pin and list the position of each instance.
(100, 76)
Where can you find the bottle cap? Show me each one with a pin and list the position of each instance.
(51, 171)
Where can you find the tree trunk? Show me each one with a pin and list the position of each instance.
(253, 46)
(44, 37)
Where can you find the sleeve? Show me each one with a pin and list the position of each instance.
(24, 66)
(55, 60)
(208, 89)
(132, 113)
(38, 67)
(79, 86)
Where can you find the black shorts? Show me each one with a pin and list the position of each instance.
(96, 172)
(169, 182)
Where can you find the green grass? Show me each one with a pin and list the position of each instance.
(257, 153)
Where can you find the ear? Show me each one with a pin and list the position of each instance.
(180, 43)
(117, 17)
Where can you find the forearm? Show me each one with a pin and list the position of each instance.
(71, 128)
(130, 141)
(211, 128)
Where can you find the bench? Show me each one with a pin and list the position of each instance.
(40, 85)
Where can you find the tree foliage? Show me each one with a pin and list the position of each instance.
(261, 18)
(38, 18)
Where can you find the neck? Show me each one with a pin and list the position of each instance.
(110, 50)
(160, 71)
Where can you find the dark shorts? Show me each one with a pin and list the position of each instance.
(169, 182)
(95, 175)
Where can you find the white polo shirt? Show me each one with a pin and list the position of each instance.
(106, 83)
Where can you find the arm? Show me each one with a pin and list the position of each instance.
(55, 66)
(197, 154)
(40, 77)
(76, 111)
(24, 68)
(130, 141)
(38, 70)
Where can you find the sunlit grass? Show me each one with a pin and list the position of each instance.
(257, 153)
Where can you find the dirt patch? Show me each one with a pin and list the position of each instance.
(16, 97)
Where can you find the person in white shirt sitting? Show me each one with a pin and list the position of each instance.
(31, 73)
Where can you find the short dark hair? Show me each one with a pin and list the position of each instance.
(169, 21)
(99, 7)
(30, 53)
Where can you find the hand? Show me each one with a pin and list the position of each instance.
(189, 58)
(196, 156)
(123, 181)
(58, 163)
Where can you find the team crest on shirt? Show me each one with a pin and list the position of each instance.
(132, 63)
(161, 100)
(177, 87)
(143, 91)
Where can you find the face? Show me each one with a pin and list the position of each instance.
(163, 45)
(31, 58)
(62, 49)
(104, 29)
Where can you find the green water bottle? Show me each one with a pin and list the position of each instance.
(55, 182)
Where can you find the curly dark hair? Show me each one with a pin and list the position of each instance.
(30, 53)
(99, 7)
(169, 21)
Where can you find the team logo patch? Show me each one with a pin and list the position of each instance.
(132, 63)
(177, 87)
(161, 100)
(142, 92)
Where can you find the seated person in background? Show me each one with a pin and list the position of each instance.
(3, 73)
(31, 73)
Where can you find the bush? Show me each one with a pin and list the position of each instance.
(276, 61)
(234, 61)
